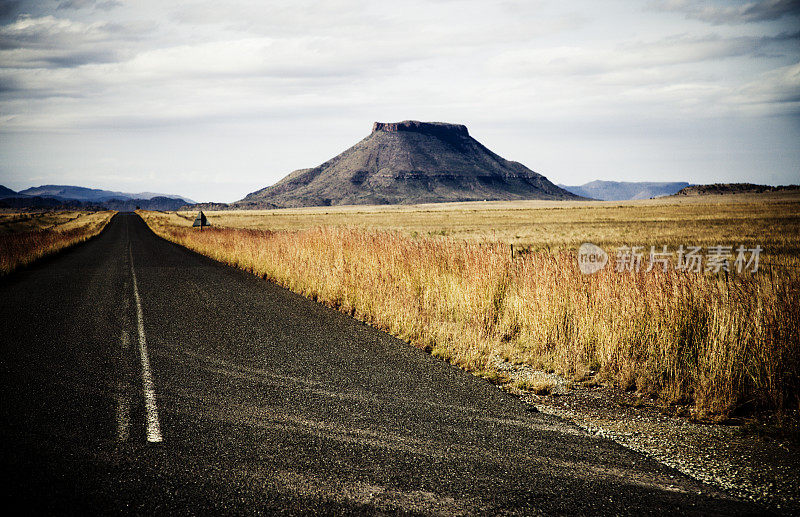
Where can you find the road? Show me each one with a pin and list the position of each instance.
(139, 377)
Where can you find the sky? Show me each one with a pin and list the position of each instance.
(213, 100)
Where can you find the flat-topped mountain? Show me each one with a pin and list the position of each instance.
(407, 163)
(622, 190)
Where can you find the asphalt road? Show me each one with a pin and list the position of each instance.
(197, 388)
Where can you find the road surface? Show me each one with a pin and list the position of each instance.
(139, 377)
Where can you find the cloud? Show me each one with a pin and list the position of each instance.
(85, 4)
(9, 9)
(286, 58)
(50, 32)
(641, 56)
(50, 42)
(88, 70)
(676, 76)
(765, 10)
(779, 87)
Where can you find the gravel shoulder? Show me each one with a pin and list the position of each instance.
(756, 459)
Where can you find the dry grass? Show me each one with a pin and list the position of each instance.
(720, 342)
(25, 237)
(16, 222)
(536, 386)
(769, 220)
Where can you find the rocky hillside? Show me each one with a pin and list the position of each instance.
(406, 163)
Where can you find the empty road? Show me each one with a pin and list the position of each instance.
(139, 377)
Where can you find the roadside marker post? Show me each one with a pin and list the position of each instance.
(201, 221)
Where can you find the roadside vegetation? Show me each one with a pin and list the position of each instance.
(28, 236)
(444, 279)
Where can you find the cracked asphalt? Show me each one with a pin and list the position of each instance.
(270, 403)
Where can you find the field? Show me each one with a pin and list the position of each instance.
(27, 236)
(444, 278)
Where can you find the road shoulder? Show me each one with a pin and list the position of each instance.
(753, 459)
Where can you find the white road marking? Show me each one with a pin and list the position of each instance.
(153, 427)
(123, 399)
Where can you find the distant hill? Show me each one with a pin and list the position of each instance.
(23, 202)
(406, 163)
(623, 190)
(155, 203)
(91, 194)
(122, 205)
(213, 206)
(6, 192)
(69, 196)
(733, 188)
(151, 195)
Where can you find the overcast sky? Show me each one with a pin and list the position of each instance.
(213, 100)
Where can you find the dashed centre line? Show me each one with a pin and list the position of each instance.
(123, 398)
(153, 425)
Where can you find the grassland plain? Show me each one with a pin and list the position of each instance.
(28, 236)
(443, 278)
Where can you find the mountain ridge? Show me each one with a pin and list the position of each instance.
(74, 197)
(92, 194)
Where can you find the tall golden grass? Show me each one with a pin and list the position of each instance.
(718, 342)
(19, 247)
